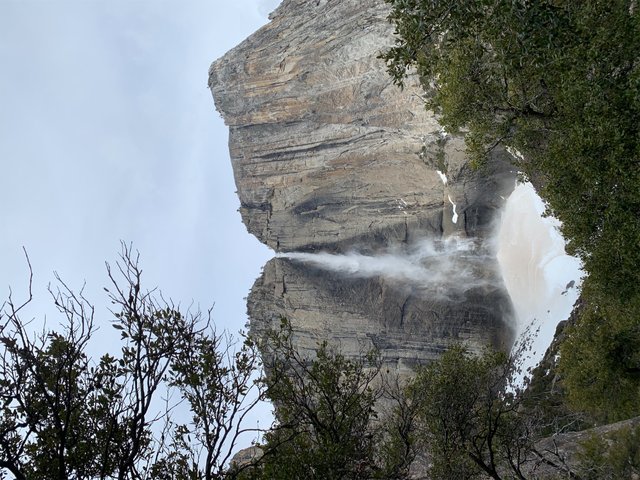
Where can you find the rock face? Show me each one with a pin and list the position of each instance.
(330, 156)
(566, 451)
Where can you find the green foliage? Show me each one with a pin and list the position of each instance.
(324, 410)
(51, 406)
(216, 380)
(467, 411)
(559, 81)
(601, 366)
(62, 416)
(545, 394)
(460, 417)
(613, 456)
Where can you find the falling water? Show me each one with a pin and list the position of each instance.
(542, 280)
(444, 268)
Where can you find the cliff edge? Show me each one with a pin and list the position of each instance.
(329, 156)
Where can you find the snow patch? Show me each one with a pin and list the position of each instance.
(402, 205)
(454, 217)
(515, 153)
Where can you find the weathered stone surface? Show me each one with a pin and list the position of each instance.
(566, 451)
(330, 156)
(246, 456)
(406, 324)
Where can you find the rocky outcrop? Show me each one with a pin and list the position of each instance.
(564, 455)
(330, 156)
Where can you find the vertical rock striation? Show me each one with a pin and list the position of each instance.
(329, 155)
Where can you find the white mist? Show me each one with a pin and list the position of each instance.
(441, 267)
(542, 280)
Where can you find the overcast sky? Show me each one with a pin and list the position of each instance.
(108, 132)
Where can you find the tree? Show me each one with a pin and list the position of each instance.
(467, 418)
(65, 416)
(462, 416)
(558, 83)
(221, 385)
(600, 365)
(471, 419)
(327, 425)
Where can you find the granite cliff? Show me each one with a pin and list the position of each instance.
(330, 156)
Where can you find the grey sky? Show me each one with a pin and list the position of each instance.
(108, 132)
